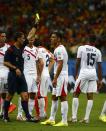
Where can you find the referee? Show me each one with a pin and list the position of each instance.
(16, 81)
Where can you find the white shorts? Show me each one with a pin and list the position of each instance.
(31, 83)
(86, 82)
(3, 81)
(44, 85)
(61, 88)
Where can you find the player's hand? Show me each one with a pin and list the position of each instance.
(38, 80)
(100, 84)
(18, 72)
(54, 82)
(76, 77)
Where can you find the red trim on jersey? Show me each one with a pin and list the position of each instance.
(1, 54)
(30, 53)
(63, 93)
(78, 88)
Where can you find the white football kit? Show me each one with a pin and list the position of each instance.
(3, 70)
(45, 77)
(86, 81)
(60, 53)
(30, 58)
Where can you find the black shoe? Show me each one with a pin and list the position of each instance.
(33, 119)
(6, 119)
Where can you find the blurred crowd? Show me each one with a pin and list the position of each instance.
(75, 19)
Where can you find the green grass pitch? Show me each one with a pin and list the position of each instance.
(94, 125)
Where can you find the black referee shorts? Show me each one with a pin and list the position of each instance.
(16, 83)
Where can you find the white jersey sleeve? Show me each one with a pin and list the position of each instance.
(99, 59)
(60, 53)
(79, 53)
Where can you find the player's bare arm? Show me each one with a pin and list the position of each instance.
(99, 75)
(77, 67)
(39, 66)
(51, 62)
(34, 29)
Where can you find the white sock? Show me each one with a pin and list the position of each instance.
(2, 104)
(41, 102)
(104, 109)
(64, 111)
(54, 108)
(88, 109)
(75, 104)
(31, 105)
(20, 110)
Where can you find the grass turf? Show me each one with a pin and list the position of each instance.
(94, 125)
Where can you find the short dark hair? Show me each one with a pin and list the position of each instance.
(57, 33)
(18, 35)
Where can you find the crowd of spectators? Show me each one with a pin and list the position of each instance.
(75, 19)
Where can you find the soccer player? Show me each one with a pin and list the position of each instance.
(16, 80)
(4, 73)
(103, 113)
(48, 59)
(31, 57)
(59, 82)
(87, 58)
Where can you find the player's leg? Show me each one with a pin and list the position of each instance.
(62, 93)
(6, 106)
(24, 103)
(54, 107)
(42, 96)
(20, 111)
(36, 106)
(3, 96)
(11, 91)
(24, 99)
(31, 102)
(92, 88)
(88, 108)
(32, 89)
(41, 102)
(75, 101)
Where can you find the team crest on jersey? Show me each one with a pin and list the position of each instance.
(59, 53)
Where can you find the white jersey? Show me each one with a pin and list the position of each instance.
(30, 57)
(45, 55)
(2, 53)
(60, 53)
(89, 55)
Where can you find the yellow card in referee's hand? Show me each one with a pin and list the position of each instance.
(37, 16)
